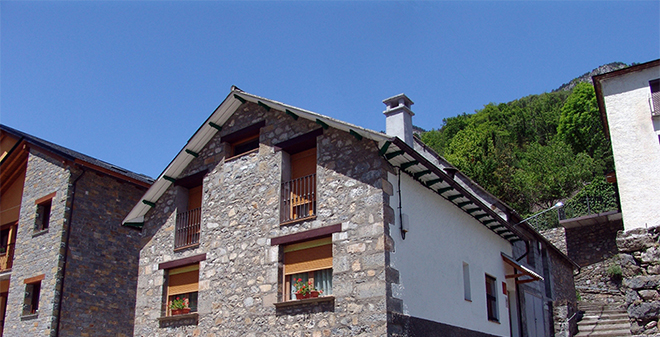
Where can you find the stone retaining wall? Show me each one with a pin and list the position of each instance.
(640, 263)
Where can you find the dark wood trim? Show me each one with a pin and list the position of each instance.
(319, 299)
(45, 198)
(112, 173)
(306, 235)
(193, 180)
(182, 262)
(300, 143)
(242, 154)
(243, 133)
(34, 279)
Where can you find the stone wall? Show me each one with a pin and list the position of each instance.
(594, 243)
(640, 264)
(38, 252)
(239, 280)
(102, 262)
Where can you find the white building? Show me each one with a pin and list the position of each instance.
(629, 103)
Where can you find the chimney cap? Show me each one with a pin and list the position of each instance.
(395, 101)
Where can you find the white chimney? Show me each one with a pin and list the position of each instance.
(398, 120)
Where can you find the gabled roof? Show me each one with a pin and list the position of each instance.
(393, 149)
(73, 156)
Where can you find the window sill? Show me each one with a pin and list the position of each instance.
(494, 321)
(179, 320)
(290, 222)
(27, 317)
(242, 154)
(305, 301)
(194, 245)
(39, 232)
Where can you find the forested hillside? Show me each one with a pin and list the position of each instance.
(534, 151)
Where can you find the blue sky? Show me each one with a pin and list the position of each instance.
(130, 82)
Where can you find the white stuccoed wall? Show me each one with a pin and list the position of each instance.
(635, 145)
(430, 261)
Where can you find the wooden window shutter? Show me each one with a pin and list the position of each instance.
(195, 197)
(183, 280)
(308, 256)
(303, 163)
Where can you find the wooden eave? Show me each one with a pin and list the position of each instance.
(13, 165)
(522, 271)
(401, 155)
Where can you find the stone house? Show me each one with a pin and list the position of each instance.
(629, 104)
(266, 195)
(67, 268)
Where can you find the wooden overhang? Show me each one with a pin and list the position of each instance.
(520, 271)
(399, 154)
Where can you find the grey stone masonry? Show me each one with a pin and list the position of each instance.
(85, 261)
(640, 269)
(40, 252)
(240, 279)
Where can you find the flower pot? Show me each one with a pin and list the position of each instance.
(314, 293)
(180, 311)
(301, 296)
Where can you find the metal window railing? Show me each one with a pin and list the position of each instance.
(298, 198)
(187, 229)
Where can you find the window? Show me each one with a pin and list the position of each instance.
(299, 177)
(43, 215)
(4, 240)
(32, 292)
(244, 140)
(299, 187)
(308, 261)
(655, 96)
(467, 293)
(491, 298)
(189, 219)
(182, 288)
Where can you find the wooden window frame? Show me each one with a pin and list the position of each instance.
(194, 267)
(44, 212)
(296, 238)
(320, 248)
(33, 292)
(242, 137)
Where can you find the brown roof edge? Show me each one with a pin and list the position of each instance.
(112, 173)
(599, 92)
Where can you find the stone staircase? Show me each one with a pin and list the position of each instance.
(603, 320)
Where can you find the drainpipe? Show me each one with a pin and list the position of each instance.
(66, 252)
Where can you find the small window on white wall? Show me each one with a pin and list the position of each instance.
(466, 282)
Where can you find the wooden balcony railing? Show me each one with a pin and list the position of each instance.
(298, 198)
(187, 228)
(7, 257)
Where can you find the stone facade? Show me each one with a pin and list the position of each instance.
(84, 254)
(640, 265)
(239, 281)
(101, 270)
(39, 252)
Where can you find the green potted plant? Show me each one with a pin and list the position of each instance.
(179, 306)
